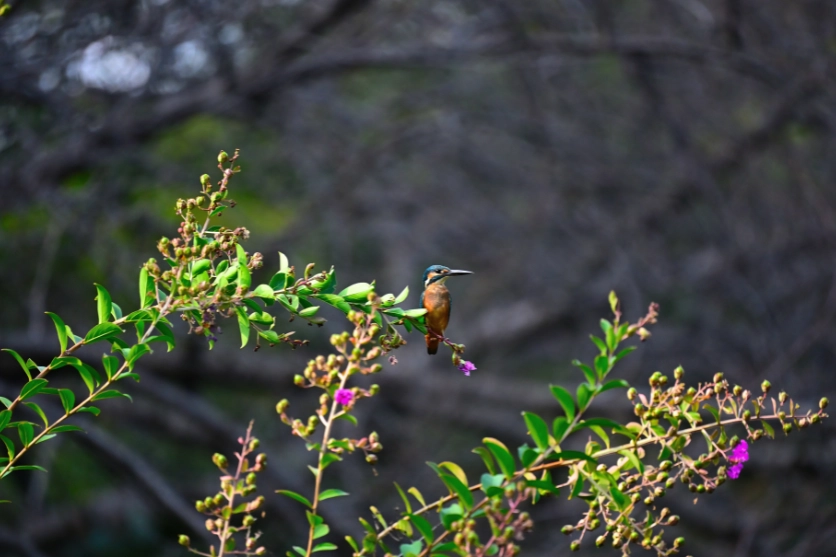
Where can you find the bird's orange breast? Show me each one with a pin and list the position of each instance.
(437, 304)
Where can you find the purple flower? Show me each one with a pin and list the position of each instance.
(344, 396)
(737, 457)
(466, 367)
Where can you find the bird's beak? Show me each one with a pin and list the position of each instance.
(452, 272)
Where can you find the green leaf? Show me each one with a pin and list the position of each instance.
(61, 329)
(348, 418)
(502, 455)
(200, 266)
(104, 303)
(309, 312)
(565, 399)
(280, 281)
(19, 361)
(324, 547)
(634, 460)
(111, 394)
(10, 446)
(415, 313)
(401, 297)
(37, 409)
(5, 418)
(767, 429)
(620, 499)
(284, 264)
(407, 504)
(146, 288)
(67, 399)
(460, 489)
(537, 429)
(450, 514)
(485, 454)
(26, 432)
(321, 530)
(66, 428)
(590, 375)
(357, 292)
(243, 325)
(599, 343)
(583, 396)
(328, 458)
(621, 354)
(90, 410)
(32, 388)
(135, 353)
(28, 467)
(314, 519)
(352, 543)
(602, 367)
(102, 331)
(413, 549)
(609, 334)
(456, 470)
(331, 493)
(527, 455)
(544, 485)
(244, 278)
(301, 551)
(334, 300)
(264, 292)
(110, 365)
(491, 480)
(614, 384)
(605, 422)
(423, 526)
(417, 494)
(5, 401)
(295, 496)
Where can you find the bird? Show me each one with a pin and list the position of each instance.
(436, 300)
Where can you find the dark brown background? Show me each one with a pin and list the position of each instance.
(678, 151)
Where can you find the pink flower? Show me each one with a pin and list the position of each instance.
(466, 367)
(737, 457)
(344, 396)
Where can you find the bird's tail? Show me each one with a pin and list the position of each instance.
(432, 344)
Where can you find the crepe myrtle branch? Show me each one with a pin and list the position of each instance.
(615, 491)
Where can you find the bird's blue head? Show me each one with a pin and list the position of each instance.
(440, 273)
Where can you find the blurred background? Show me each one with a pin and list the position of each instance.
(677, 151)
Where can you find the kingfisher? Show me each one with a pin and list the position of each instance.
(436, 300)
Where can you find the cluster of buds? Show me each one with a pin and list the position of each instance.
(356, 354)
(508, 524)
(224, 506)
(669, 416)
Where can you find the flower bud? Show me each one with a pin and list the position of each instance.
(787, 427)
(199, 506)
(210, 524)
(223, 157)
(718, 377)
(632, 393)
(737, 390)
(371, 459)
(568, 529)
(575, 545)
(184, 541)
(599, 541)
(678, 373)
(782, 397)
(248, 521)
(205, 180)
(823, 403)
(746, 415)
(677, 543)
(298, 380)
(765, 386)
(254, 443)
(261, 551)
(250, 478)
(281, 406)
